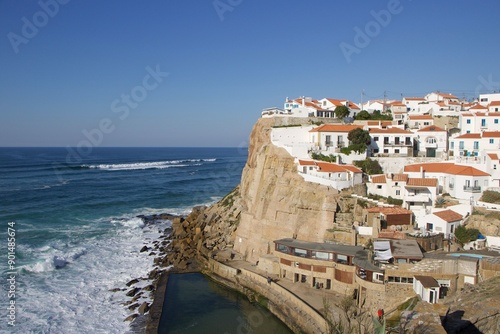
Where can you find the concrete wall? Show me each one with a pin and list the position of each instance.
(290, 309)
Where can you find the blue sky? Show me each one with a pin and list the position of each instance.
(224, 64)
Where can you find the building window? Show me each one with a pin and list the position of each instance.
(476, 145)
(282, 248)
(483, 122)
(452, 145)
(398, 192)
(379, 186)
(341, 258)
(386, 150)
(496, 119)
(431, 140)
(375, 150)
(468, 121)
(461, 145)
(396, 151)
(494, 166)
(468, 131)
(492, 141)
(375, 138)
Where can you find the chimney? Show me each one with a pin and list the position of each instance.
(303, 101)
(422, 175)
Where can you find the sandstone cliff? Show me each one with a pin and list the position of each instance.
(276, 201)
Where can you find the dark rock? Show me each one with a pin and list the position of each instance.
(144, 249)
(132, 292)
(133, 306)
(131, 317)
(115, 290)
(143, 308)
(132, 282)
(150, 287)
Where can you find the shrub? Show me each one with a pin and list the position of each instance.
(465, 235)
(490, 197)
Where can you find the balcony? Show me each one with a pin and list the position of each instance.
(390, 143)
(469, 189)
(421, 198)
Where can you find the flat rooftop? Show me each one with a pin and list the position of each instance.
(320, 246)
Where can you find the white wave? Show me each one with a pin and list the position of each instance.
(150, 165)
(81, 297)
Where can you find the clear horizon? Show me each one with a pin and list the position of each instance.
(198, 73)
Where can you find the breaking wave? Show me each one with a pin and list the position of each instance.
(150, 165)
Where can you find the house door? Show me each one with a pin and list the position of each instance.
(431, 296)
(430, 152)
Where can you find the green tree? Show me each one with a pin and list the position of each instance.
(341, 112)
(363, 115)
(465, 235)
(369, 166)
(359, 136)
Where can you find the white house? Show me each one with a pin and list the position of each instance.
(444, 221)
(432, 141)
(301, 107)
(475, 145)
(416, 193)
(460, 181)
(330, 138)
(416, 105)
(330, 174)
(427, 288)
(391, 142)
(480, 121)
(441, 97)
(419, 121)
(486, 99)
(397, 106)
(494, 106)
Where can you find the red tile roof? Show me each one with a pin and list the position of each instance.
(400, 177)
(494, 103)
(478, 106)
(422, 182)
(335, 128)
(328, 167)
(493, 156)
(443, 167)
(417, 117)
(382, 123)
(307, 163)
(414, 99)
(352, 168)
(379, 179)
(491, 134)
(469, 136)
(448, 215)
(448, 96)
(431, 128)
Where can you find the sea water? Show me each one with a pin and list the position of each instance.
(77, 235)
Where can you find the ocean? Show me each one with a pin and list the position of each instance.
(72, 219)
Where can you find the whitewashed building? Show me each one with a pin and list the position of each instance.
(331, 138)
(330, 174)
(432, 141)
(391, 142)
(480, 121)
(460, 181)
(416, 105)
(486, 99)
(419, 121)
(444, 221)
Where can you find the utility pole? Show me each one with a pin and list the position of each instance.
(385, 101)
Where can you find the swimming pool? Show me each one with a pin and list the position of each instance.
(479, 256)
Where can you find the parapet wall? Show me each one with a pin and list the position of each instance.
(290, 309)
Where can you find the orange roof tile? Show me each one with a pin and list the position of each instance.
(390, 130)
(422, 182)
(335, 128)
(448, 96)
(448, 215)
(493, 156)
(383, 123)
(379, 179)
(414, 98)
(444, 167)
(400, 177)
(417, 117)
(478, 106)
(469, 136)
(431, 128)
(494, 103)
(307, 163)
(398, 104)
(327, 167)
(491, 134)
(352, 168)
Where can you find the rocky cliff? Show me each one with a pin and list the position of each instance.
(276, 201)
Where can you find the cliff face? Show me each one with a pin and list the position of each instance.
(276, 202)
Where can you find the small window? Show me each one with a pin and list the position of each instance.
(386, 150)
(494, 166)
(398, 192)
(396, 151)
(492, 141)
(375, 150)
(468, 121)
(375, 138)
(496, 119)
(379, 186)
